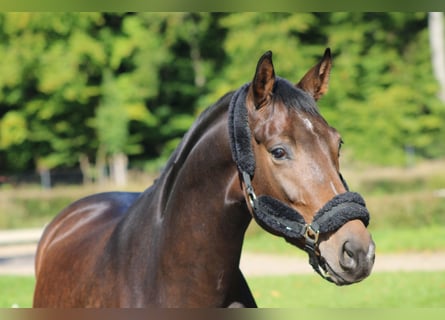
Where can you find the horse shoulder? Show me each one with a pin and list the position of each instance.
(75, 239)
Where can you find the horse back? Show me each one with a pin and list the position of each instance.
(74, 241)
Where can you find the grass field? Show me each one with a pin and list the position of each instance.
(16, 291)
(380, 290)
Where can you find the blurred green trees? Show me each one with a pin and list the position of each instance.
(93, 87)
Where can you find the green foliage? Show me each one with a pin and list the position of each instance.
(111, 121)
(13, 129)
(383, 94)
(76, 83)
(250, 34)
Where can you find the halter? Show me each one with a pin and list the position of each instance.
(271, 213)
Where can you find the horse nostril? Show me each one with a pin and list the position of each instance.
(355, 261)
(348, 259)
(347, 252)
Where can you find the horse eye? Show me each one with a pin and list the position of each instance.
(278, 153)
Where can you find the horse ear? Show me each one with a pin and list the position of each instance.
(316, 80)
(264, 79)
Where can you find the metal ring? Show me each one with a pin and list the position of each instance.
(311, 233)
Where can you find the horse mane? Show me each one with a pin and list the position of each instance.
(205, 119)
(166, 179)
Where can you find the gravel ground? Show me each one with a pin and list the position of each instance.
(17, 259)
(266, 264)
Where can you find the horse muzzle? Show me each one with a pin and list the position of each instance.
(347, 256)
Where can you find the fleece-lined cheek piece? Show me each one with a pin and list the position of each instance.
(239, 132)
(341, 209)
(279, 218)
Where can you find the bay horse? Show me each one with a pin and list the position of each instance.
(178, 243)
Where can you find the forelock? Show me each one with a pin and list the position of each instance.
(294, 97)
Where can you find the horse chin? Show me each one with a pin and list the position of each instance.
(331, 275)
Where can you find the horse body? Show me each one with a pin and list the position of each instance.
(179, 242)
(139, 245)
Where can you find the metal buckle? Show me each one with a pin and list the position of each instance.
(311, 242)
(310, 234)
(249, 189)
(252, 197)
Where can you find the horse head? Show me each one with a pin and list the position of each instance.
(288, 157)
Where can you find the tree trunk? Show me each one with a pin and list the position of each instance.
(45, 178)
(436, 33)
(85, 168)
(198, 69)
(101, 175)
(118, 169)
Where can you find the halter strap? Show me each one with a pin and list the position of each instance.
(274, 215)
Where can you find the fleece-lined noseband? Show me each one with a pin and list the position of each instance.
(272, 214)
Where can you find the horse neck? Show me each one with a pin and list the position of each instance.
(204, 204)
(195, 216)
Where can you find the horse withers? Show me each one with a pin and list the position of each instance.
(263, 151)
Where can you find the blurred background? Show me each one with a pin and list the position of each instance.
(98, 101)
